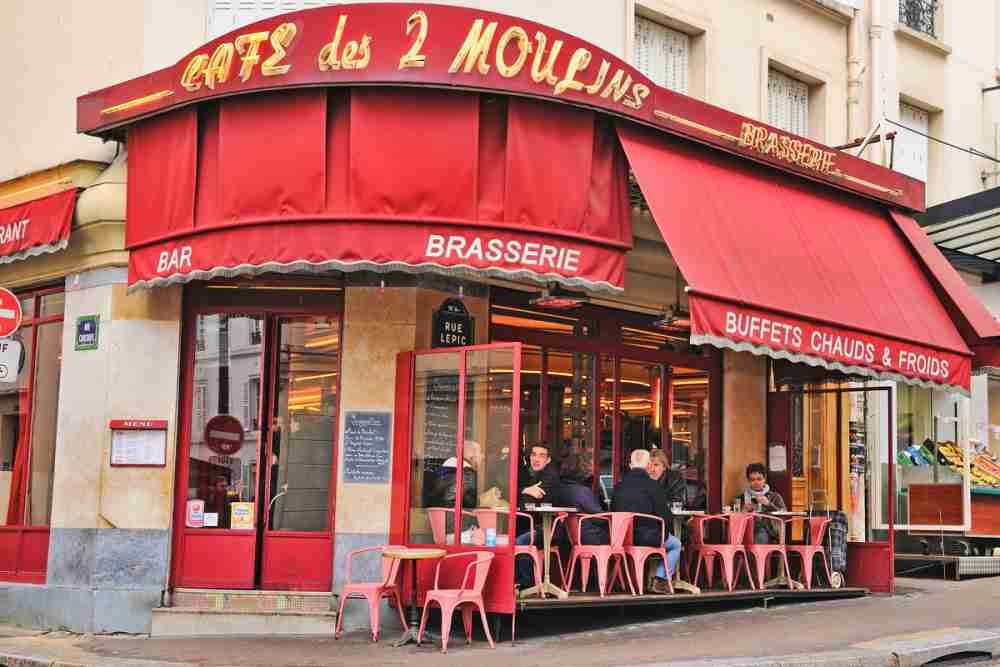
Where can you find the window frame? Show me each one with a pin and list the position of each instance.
(29, 541)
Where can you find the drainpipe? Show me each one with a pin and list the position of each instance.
(855, 72)
(878, 99)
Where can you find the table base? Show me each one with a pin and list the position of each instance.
(543, 589)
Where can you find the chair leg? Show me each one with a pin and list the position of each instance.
(486, 627)
(602, 575)
(447, 614)
(697, 569)
(710, 568)
(826, 569)
(373, 615)
(340, 618)
(760, 564)
(746, 568)
(788, 570)
(423, 621)
(639, 567)
(584, 572)
(467, 622)
(807, 569)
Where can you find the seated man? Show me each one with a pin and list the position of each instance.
(538, 483)
(758, 497)
(638, 492)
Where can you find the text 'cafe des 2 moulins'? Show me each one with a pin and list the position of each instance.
(366, 236)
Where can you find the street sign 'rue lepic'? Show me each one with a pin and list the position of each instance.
(10, 350)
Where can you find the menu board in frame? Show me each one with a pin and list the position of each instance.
(138, 443)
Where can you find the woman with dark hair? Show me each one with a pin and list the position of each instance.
(758, 497)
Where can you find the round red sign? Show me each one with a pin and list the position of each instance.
(224, 434)
(10, 312)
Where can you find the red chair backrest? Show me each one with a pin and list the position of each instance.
(817, 529)
(739, 525)
(621, 526)
(698, 526)
(481, 568)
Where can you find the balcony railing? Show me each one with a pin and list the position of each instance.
(919, 15)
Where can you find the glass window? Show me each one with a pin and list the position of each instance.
(928, 458)
(688, 407)
(302, 430)
(220, 471)
(569, 426)
(29, 411)
(662, 54)
(911, 147)
(787, 103)
(434, 453)
(640, 403)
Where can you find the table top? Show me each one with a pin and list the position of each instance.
(410, 553)
(539, 509)
(688, 512)
(785, 513)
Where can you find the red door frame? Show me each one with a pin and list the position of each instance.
(871, 564)
(498, 594)
(267, 304)
(24, 548)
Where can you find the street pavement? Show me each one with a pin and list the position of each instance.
(925, 619)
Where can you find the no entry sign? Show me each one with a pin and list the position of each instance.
(224, 434)
(10, 313)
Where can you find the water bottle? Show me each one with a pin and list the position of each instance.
(491, 537)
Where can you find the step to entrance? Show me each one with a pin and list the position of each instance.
(209, 612)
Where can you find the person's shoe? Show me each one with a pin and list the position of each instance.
(660, 586)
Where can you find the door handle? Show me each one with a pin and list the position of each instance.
(270, 505)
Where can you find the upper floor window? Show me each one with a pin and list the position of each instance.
(919, 15)
(662, 54)
(787, 103)
(226, 15)
(911, 147)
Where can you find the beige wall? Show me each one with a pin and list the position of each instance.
(744, 415)
(56, 50)
(119, 380)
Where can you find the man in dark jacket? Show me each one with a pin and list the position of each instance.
(638, 492)
(538, 483)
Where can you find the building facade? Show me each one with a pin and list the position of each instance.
(92, 544)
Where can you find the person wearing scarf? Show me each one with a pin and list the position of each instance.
(758, 497)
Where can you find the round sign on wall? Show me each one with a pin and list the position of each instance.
(224, 435)
(10, 312)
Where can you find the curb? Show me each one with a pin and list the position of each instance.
(901, 651)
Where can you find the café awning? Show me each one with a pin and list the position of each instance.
(783, 269)
(36, 227)
(378, 179)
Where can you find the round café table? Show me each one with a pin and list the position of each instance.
(680, 516)
(547, 512)
(412, 554)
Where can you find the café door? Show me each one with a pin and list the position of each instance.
(257, 456)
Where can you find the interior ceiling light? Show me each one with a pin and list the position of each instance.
(673, 319)
(554, 297)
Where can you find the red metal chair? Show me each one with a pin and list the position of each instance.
(373, 592)
(640, 555)
(762, 552)
(603, 554)
(469, 594)
(437, 517)
(807, 552)
(488, 518)
(705, 552)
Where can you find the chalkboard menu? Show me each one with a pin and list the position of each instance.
(366, 447)
(440, 417)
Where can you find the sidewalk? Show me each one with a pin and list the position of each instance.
(924, 620)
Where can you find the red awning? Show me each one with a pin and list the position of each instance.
(780, 268)
(36, 227)
(380, 180)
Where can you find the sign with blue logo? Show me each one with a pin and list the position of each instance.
(86, 332)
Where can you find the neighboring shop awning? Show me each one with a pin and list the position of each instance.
(780, 268)
(378, 179)
(36, 227)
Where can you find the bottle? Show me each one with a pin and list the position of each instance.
(491, 537)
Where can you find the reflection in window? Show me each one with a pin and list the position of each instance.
(220, 475)
(928, 458)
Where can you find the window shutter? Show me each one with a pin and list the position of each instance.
(910, 150)
(226, 15)
(787, 103)
(662, 54)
